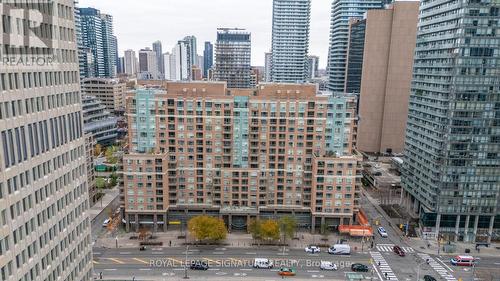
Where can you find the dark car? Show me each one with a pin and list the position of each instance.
(199, 265)
(359, 267)
(398, 251)
(429, 278)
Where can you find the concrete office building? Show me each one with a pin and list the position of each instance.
(98, 121)
(167, 65)
(312, 67)
(342, 11)
(267, 66)
(290, 40)
(389, 47)
(180, 61)
(451, 175)
(44, 199)
(97, 43)
(130, 62)
(111, 93)
(148, 68)
(241, 153)
(208, 58)
(90, 144)
(159, 58)
(233, 57)
(355, 50)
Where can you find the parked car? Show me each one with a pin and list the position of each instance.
(398, 251)
(359, 267)
(287, 271)
(262, 263)
(429, 278)
(199, 265)
(106, 222)
(382, 232)
(312, 249)
(327, 265)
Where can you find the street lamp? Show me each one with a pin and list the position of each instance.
(185, 263)
(418, 268)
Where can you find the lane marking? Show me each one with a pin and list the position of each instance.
(144, 269)
(218, 253)
(110, 269)
(250, 253)
(116, 260)
(376, 270)
(246, 269)
(445, 265)
(139, 260)
(214, 269)
(124, 253)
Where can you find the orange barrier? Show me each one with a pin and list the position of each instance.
(364, 229)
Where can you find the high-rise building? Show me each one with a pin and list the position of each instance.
(120, 67)
(98, 121)
(386, 76)
(44, 199)
(208, 58)
(111, 92)
(237, 160)
(290, 40)
(159, 58)
(200, 64)
(233, 57)
(167, 65)
(451, 174)
(342, 11)
(97, 43)
(180, 61)
(355, 49)
(312, 67)
(130, 64)
(267, 66)
(147, 64)
(193, 49)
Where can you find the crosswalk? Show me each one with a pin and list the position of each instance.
(384, 267)
(388, 248)
(437, 267)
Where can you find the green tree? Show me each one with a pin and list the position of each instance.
(254, 228)
(114, 179)
(288, 226)
(207, 228)
(100, 183)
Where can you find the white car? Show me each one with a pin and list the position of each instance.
(262, 263)
(382, 232)
(327, 265)
(312, 249)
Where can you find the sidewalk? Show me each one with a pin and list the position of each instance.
(103, 202)
(237, 240)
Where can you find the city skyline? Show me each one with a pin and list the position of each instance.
(132, 35)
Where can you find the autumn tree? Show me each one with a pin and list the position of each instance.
(270, 230)
(254, 228)
(97, 149)
(288, 226)
(207, 228)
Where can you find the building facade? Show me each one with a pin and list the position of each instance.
(451, 174)
(148, 68)
(44, 199)
(193, 49)
(98, 121)
(233, 57)
(389, 47)
(267, 66)
(130, 62)
(354, 61)
(290, 40)
(111, 93)
(312, 67)
(97, 44)
(208, 58)
(157, 48)
(342, 11)
(240, 153)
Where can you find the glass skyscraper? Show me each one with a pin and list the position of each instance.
(451, 174)
(208, 58)
(342, 11)
(96, 44)
(232, 58)
(290, 40)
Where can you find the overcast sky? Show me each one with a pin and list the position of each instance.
(139, 23)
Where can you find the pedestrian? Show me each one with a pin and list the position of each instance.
(170, 243)
(378, 263)
(385, 275)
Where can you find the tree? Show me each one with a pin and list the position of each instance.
(97, 149)
(143, 233)
(254, 228)
(204, 228)
(288, 226)
(110, 155)
(270, 230)
(100, 183)
(114, 179)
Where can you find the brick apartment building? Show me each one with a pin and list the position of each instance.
(201, 148)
